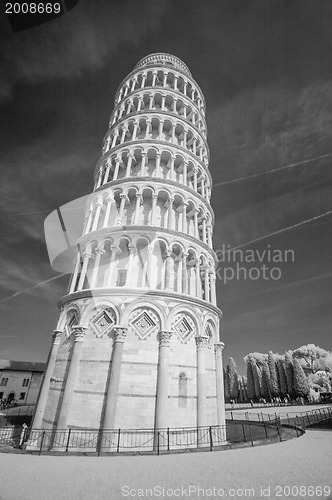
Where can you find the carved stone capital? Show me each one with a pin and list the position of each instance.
(218, 349)
(120, 333)
(201, 342)
(79, 332)
(99, 251)
(56, 336)
(165, 338)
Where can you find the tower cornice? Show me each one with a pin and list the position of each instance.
(132, 292)
(140, 229)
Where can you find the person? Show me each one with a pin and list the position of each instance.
(23, 435)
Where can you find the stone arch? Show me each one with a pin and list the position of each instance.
(72, 316)
(180, 308)
(101, 316)
(211, 321)
(184, 323)
(68, 308)
(142, 303)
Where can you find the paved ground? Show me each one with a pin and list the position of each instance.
(260, 472)
(301, 462)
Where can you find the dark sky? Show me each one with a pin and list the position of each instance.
(265, 69)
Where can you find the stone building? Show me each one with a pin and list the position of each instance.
(20, 381)
(137, 344)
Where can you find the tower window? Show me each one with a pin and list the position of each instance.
(25, 382)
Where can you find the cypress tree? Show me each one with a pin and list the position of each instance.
(301, 384)
(289, 373)
(233, 379)
(265, 384)
(250, 381)
(274, 384)
(282, 378)
(256, 380)
(226, 385)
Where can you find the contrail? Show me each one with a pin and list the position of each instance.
(31, 288)
(270, 171)
(329, 212)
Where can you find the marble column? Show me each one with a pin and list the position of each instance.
(129, 162)
(153, 209)
(122, 206)
(75, 273)
(138, 203)
(218, 348)
(169, 274)
(184, 273)
(114, 251)
(86, 257)
(79, 332)
(109, 201)
(170, 213)
(107, 171)
(99, 252)
(116, 170)
(99, 206)
(213, 288)
(114, 378)
(184, 217)
(149, 270)
(201, 345)
(161, 420)
(158, 164)
(42, 398)
(129, 277)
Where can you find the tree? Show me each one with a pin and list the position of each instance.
(310, 353)
(258, 357)
(281, 377)
(242, 389)
(226, 385)
(289, 372)
(274, 384)
(301, 383)
(250, 381)
(233, 379)
(323, 363)
(255, 376)
(265, 384)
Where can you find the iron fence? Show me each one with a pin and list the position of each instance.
(145, 441)
(248, 429)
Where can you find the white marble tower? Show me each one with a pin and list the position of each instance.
(137, 344)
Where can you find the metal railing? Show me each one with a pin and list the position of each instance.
(253, 429)
(300, 418)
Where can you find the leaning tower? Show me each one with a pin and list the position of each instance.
(137, 344)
